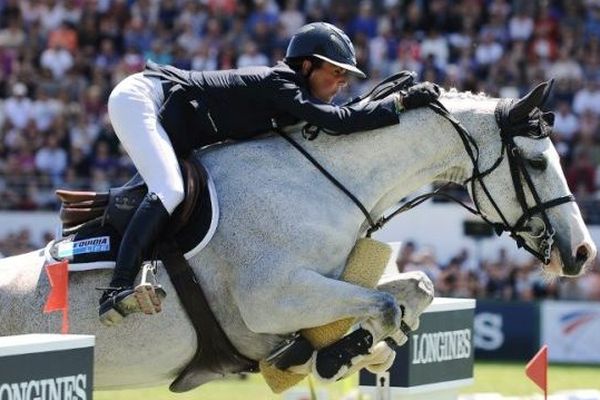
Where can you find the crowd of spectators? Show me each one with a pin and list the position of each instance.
(59, 60)
(22, 241)
(498, 277)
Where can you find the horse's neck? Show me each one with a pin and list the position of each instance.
(382, 166)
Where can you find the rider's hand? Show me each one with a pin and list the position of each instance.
(420, 95)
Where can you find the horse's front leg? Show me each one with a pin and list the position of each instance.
(284, 303)
(413, 291)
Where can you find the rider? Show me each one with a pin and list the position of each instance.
(163, 113)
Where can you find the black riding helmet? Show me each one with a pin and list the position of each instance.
(326, 42)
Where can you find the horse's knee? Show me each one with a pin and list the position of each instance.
(386, 318)
(413, 292)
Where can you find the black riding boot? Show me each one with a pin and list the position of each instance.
(146, 225)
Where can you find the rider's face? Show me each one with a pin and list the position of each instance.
(326, 81)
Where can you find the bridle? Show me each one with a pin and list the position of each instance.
(538, 126)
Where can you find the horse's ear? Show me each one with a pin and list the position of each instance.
(521, 109)
(547, 91)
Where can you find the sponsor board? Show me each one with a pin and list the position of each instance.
(570, 329)
(439, 354)
(506, 330)
(46, 367)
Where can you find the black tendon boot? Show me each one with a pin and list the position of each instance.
(146, 225)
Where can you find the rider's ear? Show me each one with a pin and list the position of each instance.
(306, 67)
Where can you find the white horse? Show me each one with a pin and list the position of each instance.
(286, 231)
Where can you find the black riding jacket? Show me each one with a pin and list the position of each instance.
(204, 107)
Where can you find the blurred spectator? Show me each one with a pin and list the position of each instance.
(365, 22)
(52, 15)
(436, 46)
(590, 284)
(520, 284)
(566, 123)
(64, 37)
(251, 56)
(203, 59)
(487, 53)
(291, 18)
(425, 261)
(13, 36)
(587, 98)
(520, 25)
(102, 160)
(566, 70)
(17, 243)
(265, 11)
(498, 285)
(194, 15)
(79, 164)
(51, 159)
(44, 110)
(406, 256)
(188, 39)
(581, 175)
(18, 107)
(108, 57)
(99, 181)
(57, 60)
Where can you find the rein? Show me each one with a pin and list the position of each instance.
(331, 178)
(517, 169)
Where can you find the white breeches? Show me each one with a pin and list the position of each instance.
(133, 109)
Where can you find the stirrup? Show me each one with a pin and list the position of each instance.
(149, 292)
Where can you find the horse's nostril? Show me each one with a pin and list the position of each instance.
(582, 255)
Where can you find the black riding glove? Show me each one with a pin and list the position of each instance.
(420, 95)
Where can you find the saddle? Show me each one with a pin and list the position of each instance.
(86, 216)
(93, 225)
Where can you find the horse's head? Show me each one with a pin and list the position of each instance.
(523, 189)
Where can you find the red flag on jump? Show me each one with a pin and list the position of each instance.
(537, 369)
(58, 298)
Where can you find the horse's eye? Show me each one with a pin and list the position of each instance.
(539, 163)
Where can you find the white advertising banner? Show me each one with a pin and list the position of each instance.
(571, 331)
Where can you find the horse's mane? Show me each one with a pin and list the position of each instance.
(453, 93)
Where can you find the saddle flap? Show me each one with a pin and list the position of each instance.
(90, 215)
(122, 204)
(76, 197)
(71, 216)
(195, 184)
